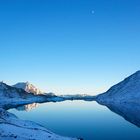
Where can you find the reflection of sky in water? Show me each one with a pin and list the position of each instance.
(82, 119)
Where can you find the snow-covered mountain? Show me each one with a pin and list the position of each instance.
(126, 91)
(28, 87)
(11, 96)
(7, 91)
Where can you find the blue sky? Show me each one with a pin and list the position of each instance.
(69, 46)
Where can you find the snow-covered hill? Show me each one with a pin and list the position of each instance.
(126, 91)
(28, 87)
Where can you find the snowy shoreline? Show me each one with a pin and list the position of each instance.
(10, 124)
(12, 128)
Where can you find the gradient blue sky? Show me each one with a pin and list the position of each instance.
(65, 47)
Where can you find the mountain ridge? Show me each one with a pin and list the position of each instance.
(126, 90)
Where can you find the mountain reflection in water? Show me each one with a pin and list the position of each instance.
(27, 107)
(129, 111)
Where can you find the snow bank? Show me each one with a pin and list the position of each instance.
(12, 128)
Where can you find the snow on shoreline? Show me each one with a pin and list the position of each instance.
(12, 128)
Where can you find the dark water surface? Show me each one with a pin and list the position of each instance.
(88, 120)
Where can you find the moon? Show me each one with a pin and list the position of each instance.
(92, 11)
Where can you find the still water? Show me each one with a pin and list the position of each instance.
(87, 120)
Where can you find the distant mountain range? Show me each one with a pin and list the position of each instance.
(126, 91)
